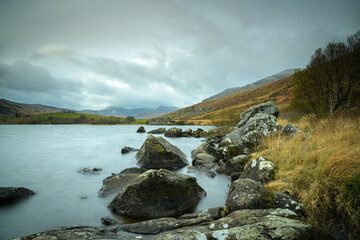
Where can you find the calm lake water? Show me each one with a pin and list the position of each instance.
(46, 159)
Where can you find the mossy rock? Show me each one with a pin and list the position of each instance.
(158, 153)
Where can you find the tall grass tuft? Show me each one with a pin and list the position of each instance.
(321, 168)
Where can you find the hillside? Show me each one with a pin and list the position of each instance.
(226, 108)
(252, 86)
(9, 109)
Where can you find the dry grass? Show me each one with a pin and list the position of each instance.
(316, 167)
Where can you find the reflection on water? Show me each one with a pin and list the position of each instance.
(46, 159)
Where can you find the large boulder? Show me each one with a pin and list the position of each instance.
(158, 153)
(267, 108)
(248, 194)
(10, 195)
(260, 170)
(158, 193)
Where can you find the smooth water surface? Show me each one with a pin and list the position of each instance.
(46, 159)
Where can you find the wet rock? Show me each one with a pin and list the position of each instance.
(174, 132)
(133, 170)
(108, 221)
(157, 193)
(158, 131)
(286, 201)
(248, 194)
(267, 108)
(141, 130)
(90, 171)
(213, 213)
(128, 149)
(198, 133)
(260, 170)
(115, 183)
(290, 130)
(235, 176)
(162, 225)
(158, 153)
(10, 195)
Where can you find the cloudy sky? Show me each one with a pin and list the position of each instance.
(90, 54)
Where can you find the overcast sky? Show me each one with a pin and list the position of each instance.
(87, 54)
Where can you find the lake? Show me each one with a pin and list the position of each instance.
(46, 159)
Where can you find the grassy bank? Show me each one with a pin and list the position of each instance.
(71, 118)
(322, 168)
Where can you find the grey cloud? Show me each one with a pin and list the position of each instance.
(23, 76)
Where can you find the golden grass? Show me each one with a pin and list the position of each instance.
(315, 167)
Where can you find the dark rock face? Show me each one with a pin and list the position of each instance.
(158, 131)
(128, 149)
(158, 153)
(260, 170)
(290, 130)
(115, 183)
(286, 201)
(248, 194)
(10, 195)
(236, 164)
(157, 193)
(141, 130)
(90, 171)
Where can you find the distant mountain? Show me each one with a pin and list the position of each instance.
(139, 113)
(9, 109)
(252, 86)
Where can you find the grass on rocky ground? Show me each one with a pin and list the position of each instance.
(321, 167)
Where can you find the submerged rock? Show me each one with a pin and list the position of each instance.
(128, 149)
(158, 193)
(141, 130)
(10, 195)
(90, 171)
(108, 221)
(158, 153)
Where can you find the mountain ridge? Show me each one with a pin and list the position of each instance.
(254, 85)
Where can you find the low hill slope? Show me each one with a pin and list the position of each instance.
(226, 108)
(252, 86)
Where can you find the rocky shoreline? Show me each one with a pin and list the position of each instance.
(162, 198)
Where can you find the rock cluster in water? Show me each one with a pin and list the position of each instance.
(250, 211)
